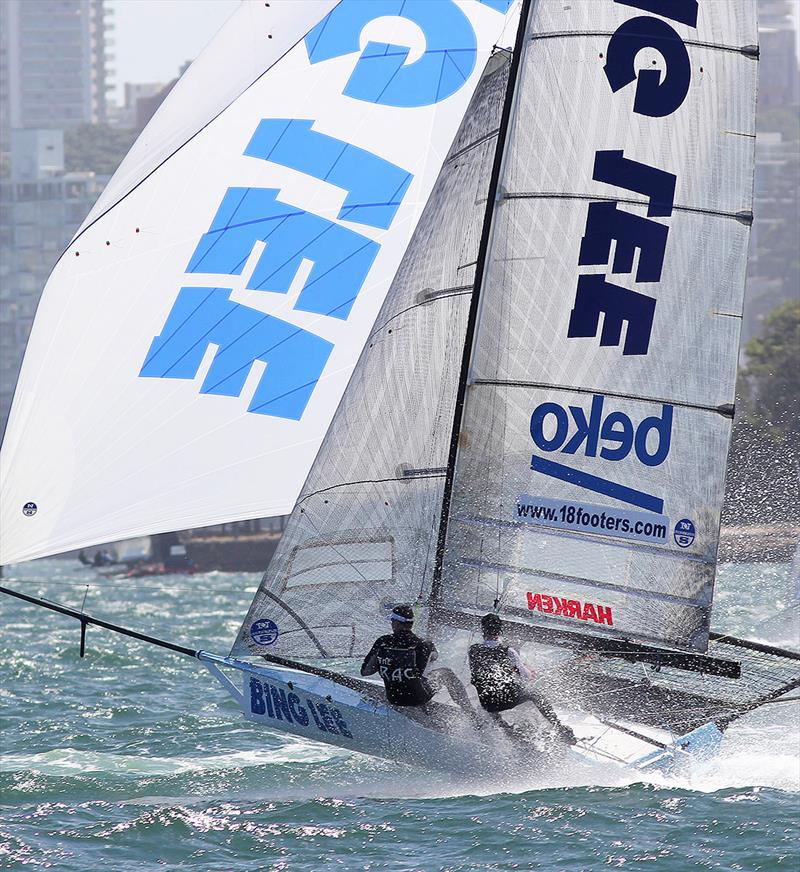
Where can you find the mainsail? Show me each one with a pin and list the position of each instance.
(591, 455)
(194, 341)
(363, 534)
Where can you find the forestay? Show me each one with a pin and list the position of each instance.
(194, 341)
(363, 534)
(591, 460)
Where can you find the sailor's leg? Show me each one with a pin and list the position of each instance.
(446, 678)
(548, 713)
(503, 725)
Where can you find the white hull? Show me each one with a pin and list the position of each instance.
(316, 708)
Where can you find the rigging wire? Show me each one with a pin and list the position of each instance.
(349, 562)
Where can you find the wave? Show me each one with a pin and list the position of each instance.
(71, 761)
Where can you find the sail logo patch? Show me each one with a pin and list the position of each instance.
(559, 606)
(264, 632)
(258, 234)
(611, 435)
(684, 533)
(30, 509)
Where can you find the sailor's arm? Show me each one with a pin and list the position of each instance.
(524, 670)
(425, 654)
(370, 664)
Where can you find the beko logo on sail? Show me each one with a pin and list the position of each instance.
(603, 306)
(610, 434)
(341, 256)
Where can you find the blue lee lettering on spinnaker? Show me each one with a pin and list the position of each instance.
(341, 256)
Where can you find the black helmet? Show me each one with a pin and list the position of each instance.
(402, 613)
(491, 624)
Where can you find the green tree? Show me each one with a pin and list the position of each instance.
(96, 147)
(764, 461)
(772, 374)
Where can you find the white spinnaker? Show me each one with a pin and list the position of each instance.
(254, 38)
(94, 452)
(547, 531)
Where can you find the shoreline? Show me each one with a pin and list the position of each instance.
(252, 552)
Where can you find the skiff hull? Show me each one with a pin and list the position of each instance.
(315, 708)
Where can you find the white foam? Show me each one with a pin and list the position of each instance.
(70, 761)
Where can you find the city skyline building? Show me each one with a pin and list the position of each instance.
(54, 70)
(53, 76)
(41, 206)
(779, 80)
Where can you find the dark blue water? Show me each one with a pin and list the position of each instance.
(133, 759)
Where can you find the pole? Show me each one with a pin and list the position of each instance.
(85, 620)
(472, 318)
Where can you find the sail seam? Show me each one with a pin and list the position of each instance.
(365, 481)
(584, 582)
(474, 144)
(746, 50)
(743, 216)
(300, 622)
(445, 293)
(724, 410)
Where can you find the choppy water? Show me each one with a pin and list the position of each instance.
(133, 759)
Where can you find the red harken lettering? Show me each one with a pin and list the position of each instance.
(570, 608)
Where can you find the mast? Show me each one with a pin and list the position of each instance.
(472, 318)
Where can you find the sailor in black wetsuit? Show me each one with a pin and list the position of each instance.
(502, 679)
(401, 659)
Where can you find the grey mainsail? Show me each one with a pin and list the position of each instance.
(591, 461)
(363, 533)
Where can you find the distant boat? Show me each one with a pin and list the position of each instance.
(473, 313)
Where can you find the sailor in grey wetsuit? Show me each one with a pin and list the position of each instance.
(401, 659)
(502, 679)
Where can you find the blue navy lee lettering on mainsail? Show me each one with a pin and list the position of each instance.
(261, 224)
(659, 93)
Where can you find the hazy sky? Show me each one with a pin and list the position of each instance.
(154, 37)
